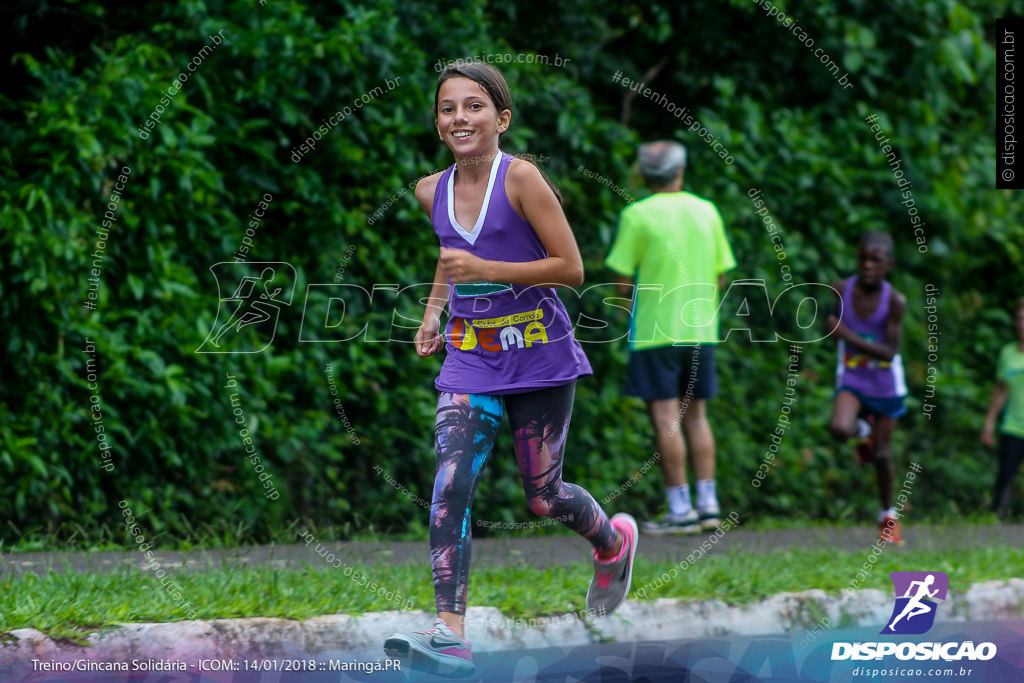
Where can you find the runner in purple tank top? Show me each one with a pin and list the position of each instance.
(505, 247)
(870, 386)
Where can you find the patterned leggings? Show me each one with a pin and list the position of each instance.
(467, 425)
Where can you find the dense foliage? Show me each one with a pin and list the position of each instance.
(85, 77)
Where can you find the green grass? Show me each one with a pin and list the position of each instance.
(743, 578)
(68, 605)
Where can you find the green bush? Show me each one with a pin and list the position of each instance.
(71, 120)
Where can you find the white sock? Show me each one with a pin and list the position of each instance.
(679, 499)
(891, 512)
(706, 496)
(863, 428)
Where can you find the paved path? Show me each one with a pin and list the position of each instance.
(525, 550)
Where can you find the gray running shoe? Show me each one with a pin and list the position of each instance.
(439, 650)
(688, 523)
(610, 584)
(709, 518)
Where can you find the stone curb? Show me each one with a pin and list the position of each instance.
(362, 637)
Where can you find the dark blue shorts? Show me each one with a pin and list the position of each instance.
(886, 407)
(672, 372)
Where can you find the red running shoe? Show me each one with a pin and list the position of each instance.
(889, 531)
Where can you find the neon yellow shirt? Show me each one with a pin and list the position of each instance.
(674, 247)
(1011, 371)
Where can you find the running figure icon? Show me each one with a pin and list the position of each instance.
(252, 296)
(915, 606)
(917, 595)
(250, 309)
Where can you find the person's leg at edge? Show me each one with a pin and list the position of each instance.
(1011, 452)
(540, 427)
(843, 424)
(466, 427)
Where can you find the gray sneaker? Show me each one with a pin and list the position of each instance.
(688, 523)
(610, 584)
(438, 651)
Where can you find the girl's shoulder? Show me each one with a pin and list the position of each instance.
(425, 189)
(521, 170)
(524, 179)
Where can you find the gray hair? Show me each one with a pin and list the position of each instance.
(659, 162)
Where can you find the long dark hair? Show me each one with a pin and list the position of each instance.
(496, 87)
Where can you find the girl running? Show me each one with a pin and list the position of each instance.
(505, 246)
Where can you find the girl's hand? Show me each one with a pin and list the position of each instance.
(428, 338)
(461, 266)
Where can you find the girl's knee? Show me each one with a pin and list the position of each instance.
(540, 506)
(454, 492)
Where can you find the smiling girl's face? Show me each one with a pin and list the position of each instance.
(467, 119)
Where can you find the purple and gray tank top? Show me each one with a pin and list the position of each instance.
(501, 338)
(856, 370)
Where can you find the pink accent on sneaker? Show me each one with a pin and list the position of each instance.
(604, 579)
(618, 555)
(460, 652)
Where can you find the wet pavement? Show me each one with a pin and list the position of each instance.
(526, 550)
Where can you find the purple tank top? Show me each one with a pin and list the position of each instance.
(857, 370)
(501, 338)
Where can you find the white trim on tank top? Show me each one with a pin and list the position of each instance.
(471, 236)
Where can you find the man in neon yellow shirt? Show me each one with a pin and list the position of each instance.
(673, 247)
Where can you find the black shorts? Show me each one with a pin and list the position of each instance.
(672, 372)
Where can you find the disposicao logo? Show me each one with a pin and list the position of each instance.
(913, 614)
(916, 592)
